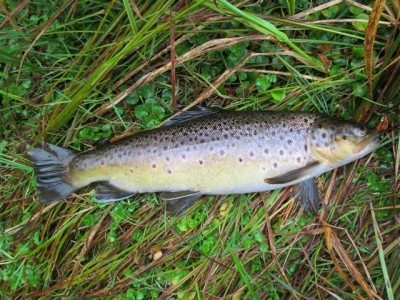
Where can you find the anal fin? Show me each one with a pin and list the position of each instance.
(106, 192)
(308, 195)
(178, 202)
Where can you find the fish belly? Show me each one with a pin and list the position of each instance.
(209, 169)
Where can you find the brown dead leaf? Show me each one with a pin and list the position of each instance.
(325, 61)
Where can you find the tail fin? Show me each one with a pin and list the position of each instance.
(50, 164)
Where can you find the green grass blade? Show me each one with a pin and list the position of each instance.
(244, 275)
(266, 28)
(389, 290)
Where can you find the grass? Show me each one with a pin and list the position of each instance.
(73, 73)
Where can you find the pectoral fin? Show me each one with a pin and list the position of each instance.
(308, 195)
(178, 202)
(294, 174)
(106, 192)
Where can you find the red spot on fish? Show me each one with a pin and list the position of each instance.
(153, 166)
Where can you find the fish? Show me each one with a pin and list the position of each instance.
(207, 151)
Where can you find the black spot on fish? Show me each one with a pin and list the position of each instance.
(305, 147)
(298, 159)
(281, 152)
(153, 166)
(289, 142)
(226, 136)
(290, 129)
(169, 171)
(201, 162)
(266, 151)
(167, 158)
(323, 135)
(284, 125)
(240, 159)
(281, 137)
(306, 120)
(326, 144)
(344, 137)
(251, 154)
(273, 133)
(275, 165)
(222, 152)
(183, 156)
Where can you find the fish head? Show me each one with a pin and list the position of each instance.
(339, 142)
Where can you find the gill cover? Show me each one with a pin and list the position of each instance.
(341, 142)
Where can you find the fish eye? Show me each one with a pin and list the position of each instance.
(360, 130)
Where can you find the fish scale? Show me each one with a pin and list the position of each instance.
(226, 153)
(208, 152)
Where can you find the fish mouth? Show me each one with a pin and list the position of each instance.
(370, 142)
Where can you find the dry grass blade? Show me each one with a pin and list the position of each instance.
(369, 41)
(173, 57)
(209, 46)
(315, 9)
(10, 16)
(335, 247)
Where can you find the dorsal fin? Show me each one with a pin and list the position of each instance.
(193, 113)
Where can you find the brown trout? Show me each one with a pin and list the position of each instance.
(208, 152)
